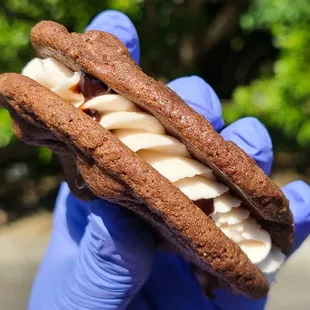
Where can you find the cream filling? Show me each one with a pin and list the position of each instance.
(144, 134)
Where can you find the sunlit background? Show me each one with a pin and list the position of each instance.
(255, 54)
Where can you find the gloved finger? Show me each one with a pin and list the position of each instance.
(298, 194)
(115, 257)
(252, 136)
(200, 96)
(172, 285)
(112, 263)
(120, 25)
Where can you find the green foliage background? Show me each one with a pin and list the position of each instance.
(254, 53)
(281, 97)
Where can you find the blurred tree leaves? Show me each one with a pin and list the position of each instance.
(18, 16)
(282, 97)
(6, 134)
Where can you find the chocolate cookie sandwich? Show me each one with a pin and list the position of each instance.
(129, 139)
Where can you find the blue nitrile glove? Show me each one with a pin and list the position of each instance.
(101, 256)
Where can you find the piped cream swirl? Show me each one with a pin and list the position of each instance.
(144, 134)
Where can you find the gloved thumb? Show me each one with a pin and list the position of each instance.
(114, 260)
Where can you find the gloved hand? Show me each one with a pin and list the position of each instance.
(101, 256)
